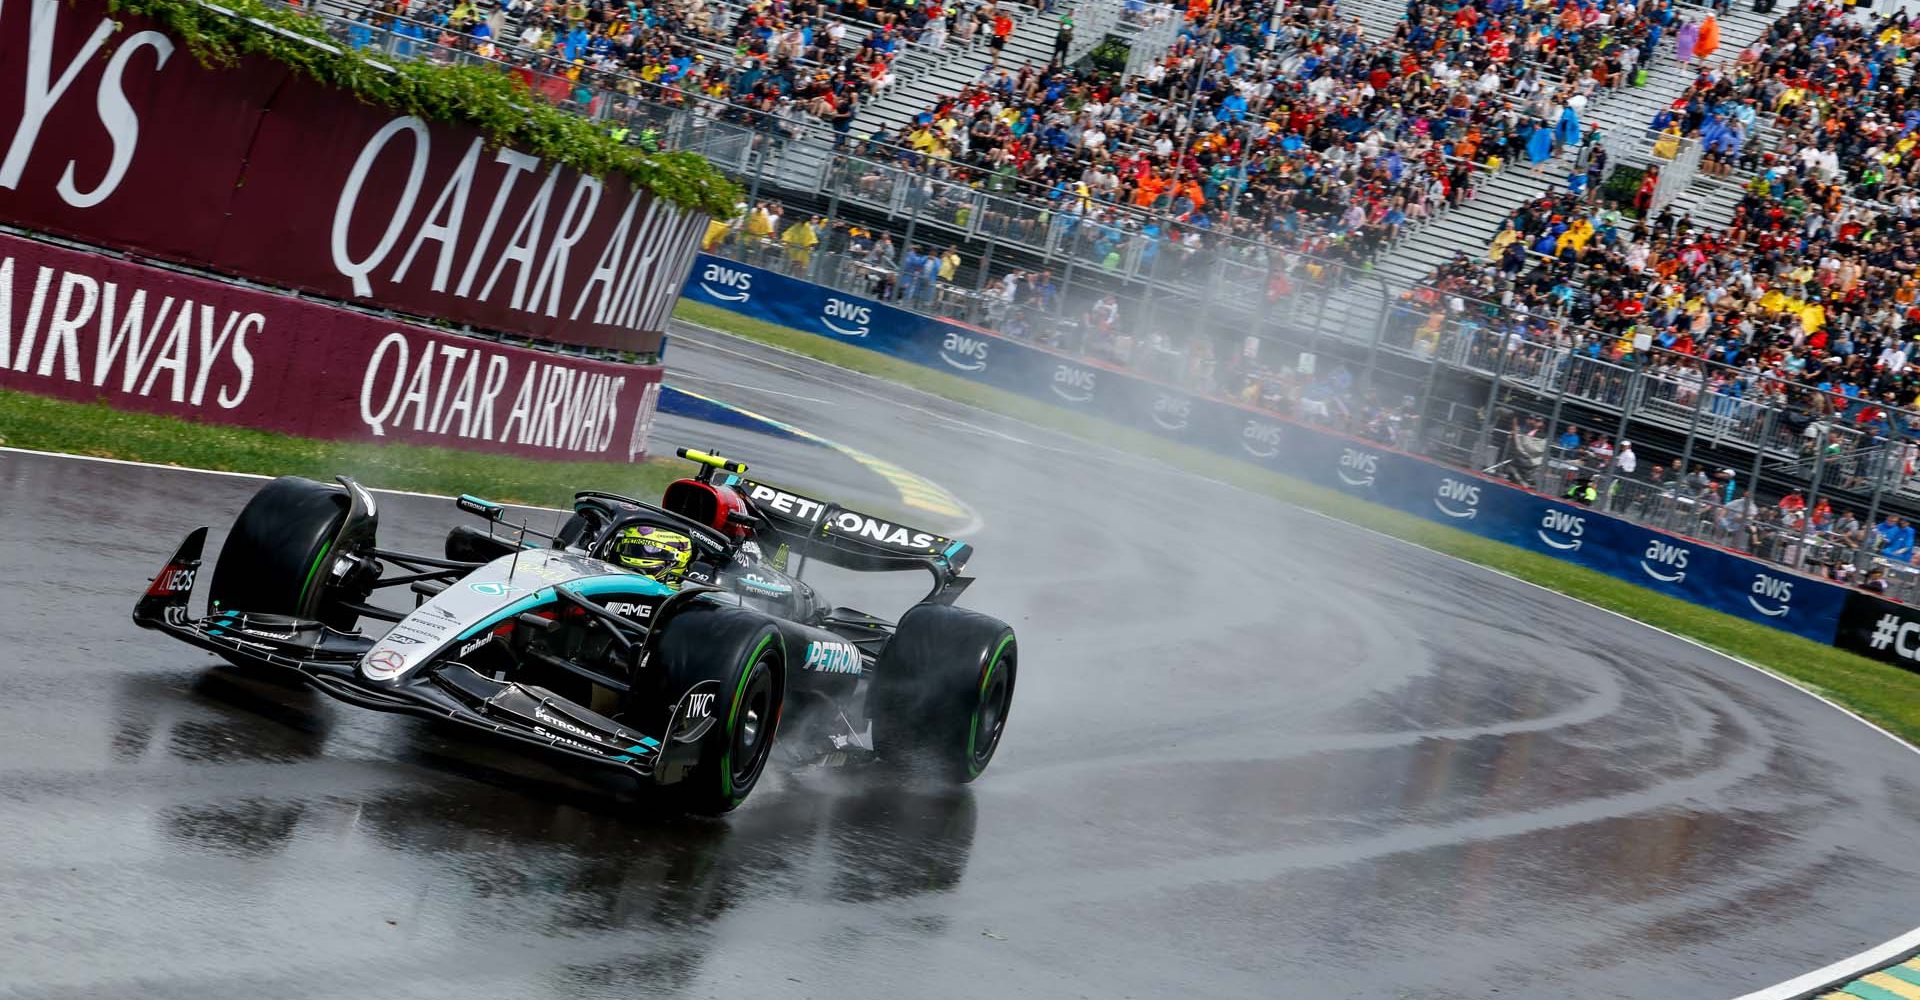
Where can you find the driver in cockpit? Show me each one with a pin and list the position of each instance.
(656, 552)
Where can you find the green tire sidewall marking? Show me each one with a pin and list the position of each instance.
(315, 568)
(733, 714)
(973, 726)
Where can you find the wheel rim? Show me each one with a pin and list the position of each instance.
(992, 718)
(752, 737)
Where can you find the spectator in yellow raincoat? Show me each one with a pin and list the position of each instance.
(1576, 237)
(800, 239)
(760, 222)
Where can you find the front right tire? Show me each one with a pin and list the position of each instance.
(942, 689)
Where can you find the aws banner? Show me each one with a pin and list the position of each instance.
(1690, 570)
(85, 327)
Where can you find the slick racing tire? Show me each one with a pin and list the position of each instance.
(741, 654)
(275, 557)
(941, 690)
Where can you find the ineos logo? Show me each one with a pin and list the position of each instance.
(969, 354)
(734, 285)
(1260, 439)
(1457, 499)
(173, 580)
(1075, 385)
(852, 319)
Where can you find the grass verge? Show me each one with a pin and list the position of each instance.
(29, 421)
(1885, 694)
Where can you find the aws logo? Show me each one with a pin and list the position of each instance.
(1669, 561)
(1770, 590)
(846, 318)
(1171, 412)
(1260, 439)
(726, 283)
(1357, 467)
(1457, 499)
(1073, 384)
(969, 354)
(1561, 530)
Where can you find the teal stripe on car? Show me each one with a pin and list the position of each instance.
(590, 586)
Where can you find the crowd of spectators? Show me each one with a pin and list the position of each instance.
(1283, 123)
(1288, 126)
(1806, 302)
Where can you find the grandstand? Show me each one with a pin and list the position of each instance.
(1456, 231)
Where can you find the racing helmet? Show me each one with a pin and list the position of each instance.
(657, 552)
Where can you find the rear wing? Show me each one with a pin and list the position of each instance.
(821, 529)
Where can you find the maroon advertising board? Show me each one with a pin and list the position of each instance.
(119, 138)
(87, 327)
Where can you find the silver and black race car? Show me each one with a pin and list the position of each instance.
(549, 641)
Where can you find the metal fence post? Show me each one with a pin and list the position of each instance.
(759, 169)
(1379, 334)
(1426, 395)
(1693, 425)
(913, 221)
(1813, 495)
(1493, 400)
(1760, 447)
(1873, 505)
(1559, 405)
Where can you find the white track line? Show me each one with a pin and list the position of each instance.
(675, 376)
(219, 472)
(1841, 971)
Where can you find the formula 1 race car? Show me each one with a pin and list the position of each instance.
(559, 644)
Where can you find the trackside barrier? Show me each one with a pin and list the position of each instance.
(1691, 570)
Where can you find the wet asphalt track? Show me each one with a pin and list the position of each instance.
(1254, 754)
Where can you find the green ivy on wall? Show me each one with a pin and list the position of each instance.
(496, 103)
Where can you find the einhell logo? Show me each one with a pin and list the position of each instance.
(848, 319)
(969, 354)
(1457, 499)
(1073, 384)
(1260, 439)
(1770, 595)
(1561, 530)
(1669, 561)
(726, 284)
(1356, 467)
(1171, 412)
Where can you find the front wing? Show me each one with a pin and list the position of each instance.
(447, 690)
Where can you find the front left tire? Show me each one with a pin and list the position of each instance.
(742, 651)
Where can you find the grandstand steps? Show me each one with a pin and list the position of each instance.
(1473, 226)
(959, 66)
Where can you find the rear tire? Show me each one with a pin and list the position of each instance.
(275, 558)
(942, 689)
(741, 650)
